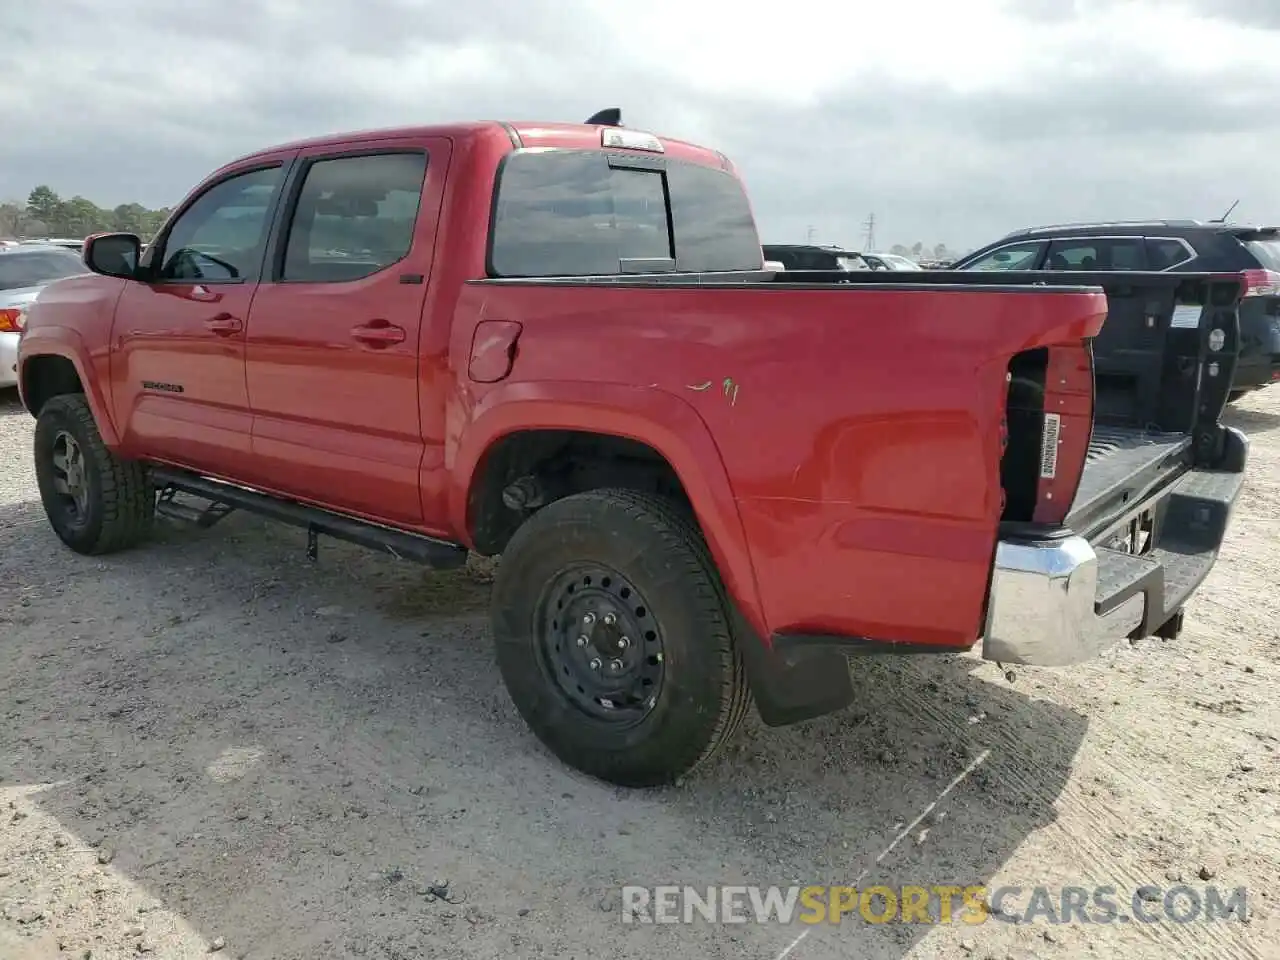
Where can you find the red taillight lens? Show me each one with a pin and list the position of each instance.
(11, 321)
(1064, 437)
(1261, 283)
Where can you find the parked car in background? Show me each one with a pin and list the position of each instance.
(24, 269)
(890, 261)
(1177, 246)
(68, 243)
(814, 256)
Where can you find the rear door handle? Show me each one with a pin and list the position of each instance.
(378, 334)
(224, 323)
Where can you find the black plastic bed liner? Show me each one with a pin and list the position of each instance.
(1123, 464)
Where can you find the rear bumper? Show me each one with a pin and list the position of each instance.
(1255, 372)
(1042, 609)
(8, 359)
(1063, 601)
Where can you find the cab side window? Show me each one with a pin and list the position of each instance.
(220, 237)
(354, 217)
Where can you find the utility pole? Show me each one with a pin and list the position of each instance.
(809, 235)
(870, 246)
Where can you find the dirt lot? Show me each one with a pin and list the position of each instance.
(208, 744)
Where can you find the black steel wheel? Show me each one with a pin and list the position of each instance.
(601, 643)
(613, 637)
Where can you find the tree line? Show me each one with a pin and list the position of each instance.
(45, 214)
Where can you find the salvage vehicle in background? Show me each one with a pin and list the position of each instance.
(710, 483)
(1176, 246)
(889, 261)
(814, 256)
(24, 270)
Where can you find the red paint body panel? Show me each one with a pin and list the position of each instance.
(75, 324)
(842, 488)
(336, 419)
(867, 489)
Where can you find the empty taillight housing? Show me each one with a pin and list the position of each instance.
(11, 320)
(1261, 283)
(1065, 430)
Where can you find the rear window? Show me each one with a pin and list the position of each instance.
(570, 213)
(28, 269)
(1267, 252)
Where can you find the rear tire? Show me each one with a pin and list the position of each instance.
(613, 637)
(95, 502)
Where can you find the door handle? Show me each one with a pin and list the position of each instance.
(224, 323)
(378, 333)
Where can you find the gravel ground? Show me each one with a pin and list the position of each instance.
(211, 745)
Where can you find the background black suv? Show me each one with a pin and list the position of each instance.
(1165, 245)
(814, 256)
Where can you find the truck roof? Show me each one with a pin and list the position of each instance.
(519, 133)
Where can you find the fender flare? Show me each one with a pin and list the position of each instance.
(648, 415)
(67, 343)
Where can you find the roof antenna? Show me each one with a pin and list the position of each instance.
(608, 117)
(1223, 218)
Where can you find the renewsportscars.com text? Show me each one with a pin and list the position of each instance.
(937, 904)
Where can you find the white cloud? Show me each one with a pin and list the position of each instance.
(951, 122)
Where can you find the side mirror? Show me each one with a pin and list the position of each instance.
(113, 254)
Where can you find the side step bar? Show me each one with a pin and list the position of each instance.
(400, 544)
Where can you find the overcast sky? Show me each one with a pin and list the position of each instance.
(951, 121)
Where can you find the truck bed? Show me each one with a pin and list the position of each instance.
(1122, 462)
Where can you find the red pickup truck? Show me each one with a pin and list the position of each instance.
(709, 483)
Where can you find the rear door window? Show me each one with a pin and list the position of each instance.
(571, 213)
(354, 217)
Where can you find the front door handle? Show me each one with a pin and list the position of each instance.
(378, 334)
(224, 323)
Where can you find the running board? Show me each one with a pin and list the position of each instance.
(401, 544)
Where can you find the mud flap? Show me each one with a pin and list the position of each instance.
(797, 686)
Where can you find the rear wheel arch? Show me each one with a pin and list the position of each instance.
(650, 442)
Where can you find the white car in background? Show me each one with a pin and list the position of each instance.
(25, 268)
(890, 261)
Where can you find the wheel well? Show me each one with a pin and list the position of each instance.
(45, 377)
(523, 472)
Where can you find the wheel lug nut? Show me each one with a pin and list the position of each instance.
(588, 618)
(582, 641)
(595, 663)
(610, 619)
(624, 642)
(615, 665)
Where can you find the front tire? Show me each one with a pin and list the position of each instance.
(95, 502)
(613, 637)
